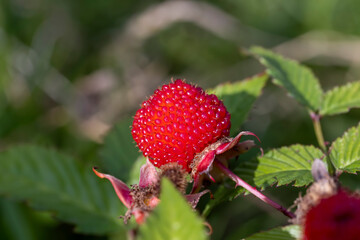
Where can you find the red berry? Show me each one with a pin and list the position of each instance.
(177, 122)
(336, 217)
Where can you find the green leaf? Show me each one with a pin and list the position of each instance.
(297, 79)
(17, 222)
(238, 97)
(281, 166)
(345, 151)
(291, 232)
(341, 99)
(119, 151)
(51, 181)
(222, 194)
(172, 219)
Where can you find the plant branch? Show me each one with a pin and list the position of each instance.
(254, 191)
(320, 138)
(318, 131)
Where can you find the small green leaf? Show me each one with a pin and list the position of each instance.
(51, 181)
(281, 166)
(297, 79)
(291, 232)
(341, 99)
(119, 151)
(238, 97)
(172, 219)
(345, 151)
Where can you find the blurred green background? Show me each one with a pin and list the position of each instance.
(71, 69)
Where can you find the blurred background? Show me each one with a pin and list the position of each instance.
(70, 70)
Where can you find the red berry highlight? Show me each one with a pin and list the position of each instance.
(336, 217)
(177, 122)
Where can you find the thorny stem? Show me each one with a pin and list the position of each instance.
(242, 183)
(320, 138)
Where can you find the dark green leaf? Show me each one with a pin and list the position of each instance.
(298, 80)
(345, 151)
(281, 166)
(173, 218)
(222, 194)
(341, 99)
(291, 232)
(51, 181)
(239, 97)
(119, 151)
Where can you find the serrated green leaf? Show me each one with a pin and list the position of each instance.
(172, 219)
(51, 181)
(345, 151)
(119, 151)
(291, 232)
(297, 79)
(239, 97)
(282, 166)
(341, 99)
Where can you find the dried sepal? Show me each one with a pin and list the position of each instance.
(223, 149)
(148, 175)
(122, 190)
(193, 199)
(176, 174)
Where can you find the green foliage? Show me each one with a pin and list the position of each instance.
(54, 182)
(292, 232)
(57, 82)
(281, 166)
(173, 218)
(298, 80)
(239, 97)
(345, 151)
(341, 99)
(222, 194)
(119, 152)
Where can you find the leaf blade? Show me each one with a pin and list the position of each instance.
(297, 79)
(282, 166)
(172, 219)
(54, 182)
(345, 151)
(341, 99)
(238, 97)
(291, 232)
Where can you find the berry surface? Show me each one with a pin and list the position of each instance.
(177, 122)
(336, 217)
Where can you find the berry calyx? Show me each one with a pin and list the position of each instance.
(177, 122)
(336, 217)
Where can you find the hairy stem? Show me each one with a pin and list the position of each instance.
(254, 191)
(320, 138)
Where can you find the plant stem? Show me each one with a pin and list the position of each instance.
(254, 191)
(320, 138)
(318, 131)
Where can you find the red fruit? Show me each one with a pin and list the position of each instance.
(177, 122)
(336, 217)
